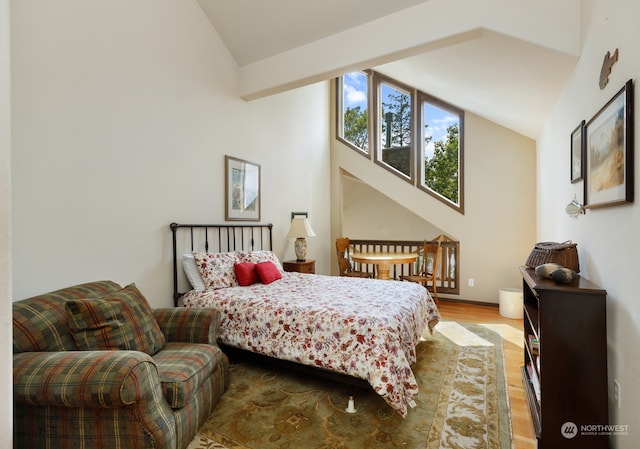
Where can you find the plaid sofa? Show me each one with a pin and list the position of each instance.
(65, 397)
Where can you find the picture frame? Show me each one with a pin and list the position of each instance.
(609, 174)
(242, 190)
(577, 153)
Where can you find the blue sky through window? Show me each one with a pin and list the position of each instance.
(355, 91)
(438, 120)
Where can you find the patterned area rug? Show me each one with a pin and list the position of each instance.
(462, 403)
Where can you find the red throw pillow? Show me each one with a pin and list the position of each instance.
(246, 273)
(268, 272)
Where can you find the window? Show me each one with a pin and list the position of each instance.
(353, 119)
(417, 137)
(440, 154)
(394, 105)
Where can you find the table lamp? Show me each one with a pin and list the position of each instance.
(300, 229)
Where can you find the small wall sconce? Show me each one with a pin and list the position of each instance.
(574, 209)
(300, 229)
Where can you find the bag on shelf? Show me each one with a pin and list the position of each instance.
(565, 254)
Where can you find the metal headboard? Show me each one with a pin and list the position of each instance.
(217, 238)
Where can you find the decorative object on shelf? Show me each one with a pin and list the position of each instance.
(563, 275)
(300, 229)
(544, 270)
(609, 152)
(574, 209)
(607, 64)
(564, 254)
(556, 272)
(242, 190)
(577, 153)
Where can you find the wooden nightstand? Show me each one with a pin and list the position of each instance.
(307, 266)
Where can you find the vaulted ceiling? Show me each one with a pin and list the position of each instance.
(505, 60)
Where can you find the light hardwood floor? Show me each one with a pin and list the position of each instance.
(523, 433)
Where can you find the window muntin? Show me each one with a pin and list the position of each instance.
(354, 113)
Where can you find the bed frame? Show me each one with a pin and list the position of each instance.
(242, 237)
(216, 238)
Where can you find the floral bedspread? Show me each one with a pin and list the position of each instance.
(365, 328)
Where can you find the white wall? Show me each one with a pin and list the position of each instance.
(363, 206)
(122, 114)
(496, 232)
(607, 238)
(6, 351)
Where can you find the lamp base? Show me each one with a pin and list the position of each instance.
(300, 246)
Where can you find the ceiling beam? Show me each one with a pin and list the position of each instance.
(435, 24)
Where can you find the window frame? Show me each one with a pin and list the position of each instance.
(340, 114)
(422, 98)
(379, 79)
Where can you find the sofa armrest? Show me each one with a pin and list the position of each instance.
(95, 379)
(189, 325)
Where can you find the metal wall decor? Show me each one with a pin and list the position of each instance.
(605, 71)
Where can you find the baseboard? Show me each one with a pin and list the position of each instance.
(468, 301)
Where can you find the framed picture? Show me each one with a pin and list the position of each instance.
(577, 153)
(609, 152)
(242, 190)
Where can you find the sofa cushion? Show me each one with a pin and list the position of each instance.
(183, 367)
(123, 320)
(40, 322)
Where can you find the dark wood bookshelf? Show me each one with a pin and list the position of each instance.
(569, 322)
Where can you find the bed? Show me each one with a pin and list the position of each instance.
(365, 329)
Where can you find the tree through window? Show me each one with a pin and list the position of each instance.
(355, 103)
(395, 108)
(441, 152)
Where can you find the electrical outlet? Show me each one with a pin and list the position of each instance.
(472, 282)
(616, 392)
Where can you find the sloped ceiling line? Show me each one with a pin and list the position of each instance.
(524, 51)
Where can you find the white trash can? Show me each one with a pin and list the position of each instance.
(511, 302)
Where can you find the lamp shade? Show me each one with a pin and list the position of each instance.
(300, 227)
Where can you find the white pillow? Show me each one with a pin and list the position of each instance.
(191, 270)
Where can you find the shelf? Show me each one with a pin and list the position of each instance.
(534, 405)
(531, 314)
(569, 322)
(532, 358)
